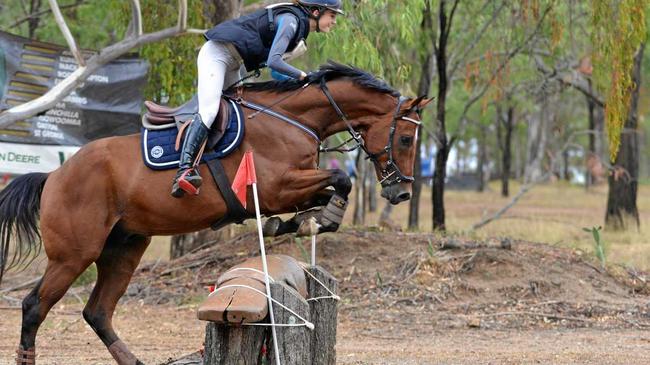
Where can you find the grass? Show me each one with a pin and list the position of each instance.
(553, 213)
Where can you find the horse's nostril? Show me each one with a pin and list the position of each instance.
(404, 196)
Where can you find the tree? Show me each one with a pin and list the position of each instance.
(624, 181)
(135, 38)
(619, 37)
(446, 71)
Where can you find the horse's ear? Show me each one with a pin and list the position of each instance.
(423, 101)
(419, 102)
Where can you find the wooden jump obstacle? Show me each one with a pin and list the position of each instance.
(228, 344)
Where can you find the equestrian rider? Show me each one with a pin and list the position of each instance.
(263, 38)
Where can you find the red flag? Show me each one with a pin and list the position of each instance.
(245, 176)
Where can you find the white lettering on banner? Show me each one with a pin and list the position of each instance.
(24, 158)
(67, 59)
(52, 127)
(59, 120)
(53, 135)
(16, 157)
(63, 113)
(100, 79)
(76, 99)
(68, 66)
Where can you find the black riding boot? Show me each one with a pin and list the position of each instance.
(187, 178)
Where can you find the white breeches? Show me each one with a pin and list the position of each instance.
(217, 67)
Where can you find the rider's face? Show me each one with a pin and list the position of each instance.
(327, 21)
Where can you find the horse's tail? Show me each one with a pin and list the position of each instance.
(20, 203)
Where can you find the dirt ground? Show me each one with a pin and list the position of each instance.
(407, 298)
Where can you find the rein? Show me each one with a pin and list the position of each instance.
(390, 174)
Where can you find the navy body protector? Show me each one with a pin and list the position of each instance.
(253, 34)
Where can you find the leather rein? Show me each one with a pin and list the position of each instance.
(390, 174)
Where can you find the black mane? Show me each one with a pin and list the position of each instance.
(330, 71)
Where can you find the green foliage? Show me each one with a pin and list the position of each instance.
(599, 245)
(87, 277)
(91, 23)
(172, 62)
(380, 36)
(618, 31)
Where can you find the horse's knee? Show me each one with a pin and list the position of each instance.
(341, 182)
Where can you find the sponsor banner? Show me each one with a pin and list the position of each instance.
(24, 158)
(108, 103)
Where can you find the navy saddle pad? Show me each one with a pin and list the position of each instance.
(158, 145)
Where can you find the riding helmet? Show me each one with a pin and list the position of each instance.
(333, 5)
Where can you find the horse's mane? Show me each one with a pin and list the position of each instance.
(330, 71)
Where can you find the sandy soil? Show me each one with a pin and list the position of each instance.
(490, 302)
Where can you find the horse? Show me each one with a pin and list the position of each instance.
(103, 205)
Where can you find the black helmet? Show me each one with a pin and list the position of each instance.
(333, 5)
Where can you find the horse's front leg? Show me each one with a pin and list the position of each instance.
(304, 190)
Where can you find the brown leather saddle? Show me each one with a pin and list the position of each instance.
(162, 117)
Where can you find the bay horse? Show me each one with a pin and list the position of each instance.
(103, 205)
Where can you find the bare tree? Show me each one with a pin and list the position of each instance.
(87, 67)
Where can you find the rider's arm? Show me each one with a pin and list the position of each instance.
(287, 25)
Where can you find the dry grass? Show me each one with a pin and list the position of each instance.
(553, 213)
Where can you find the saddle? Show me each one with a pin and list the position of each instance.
(162, 117)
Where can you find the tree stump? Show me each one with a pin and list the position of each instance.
(294, 343)
(323, 313)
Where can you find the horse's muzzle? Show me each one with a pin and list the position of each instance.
(396, 193)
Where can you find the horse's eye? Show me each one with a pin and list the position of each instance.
(405, 140)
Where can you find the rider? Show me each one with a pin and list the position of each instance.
(263, 38)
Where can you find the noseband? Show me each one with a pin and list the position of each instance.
(390, 174)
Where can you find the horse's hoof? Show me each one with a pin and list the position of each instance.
(271, 227)
(308, 227)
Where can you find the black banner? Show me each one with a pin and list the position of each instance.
(107, 104)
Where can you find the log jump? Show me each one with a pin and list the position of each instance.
(304, 308)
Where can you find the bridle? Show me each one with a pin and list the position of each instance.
(390, 174)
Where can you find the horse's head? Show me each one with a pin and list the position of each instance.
(391, 144)
(384, 122)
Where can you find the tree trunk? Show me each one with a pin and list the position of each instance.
(426, 76)
(536, 144)
(442, 150)
(33, 22)
(507, 151)
(183, 244)
(217, 11)
(596, 125)
(481, 165)
(372, 191)
(623, 182)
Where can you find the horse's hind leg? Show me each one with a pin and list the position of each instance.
(60, 273)
(115, 267)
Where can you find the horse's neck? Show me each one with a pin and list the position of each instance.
(312, 108)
